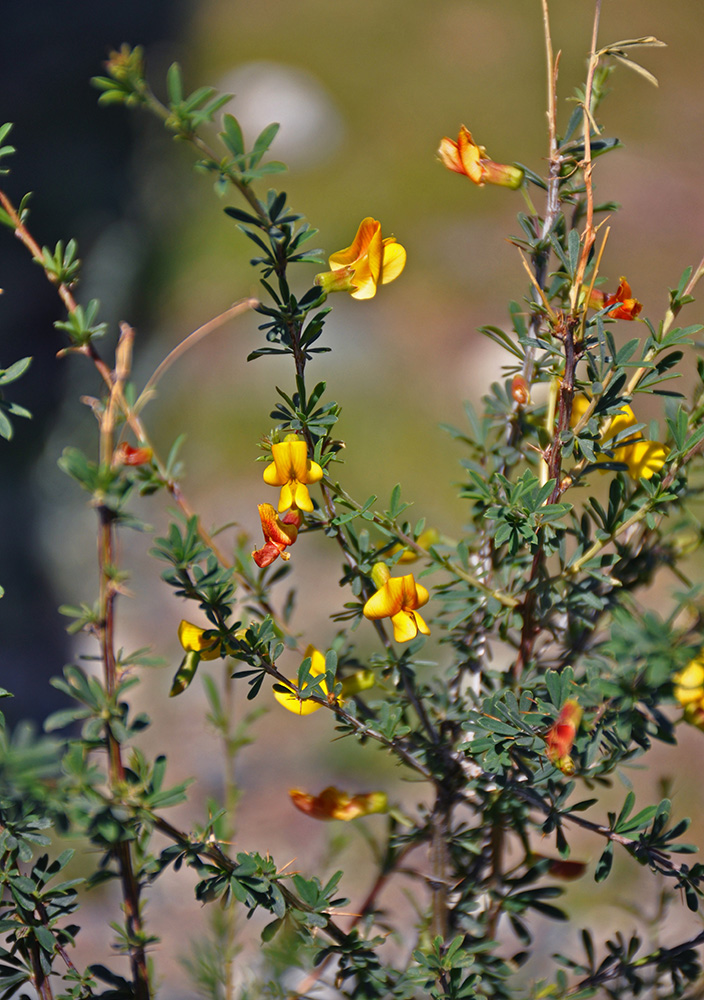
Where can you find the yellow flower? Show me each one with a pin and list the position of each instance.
(292, 470)
(398, 598)
(426, 538)
(193, 640)
(369, 261)
(689, 691)
(466, 157)
(334, 804)
(642, 458)
(305, 706)
(197, 648)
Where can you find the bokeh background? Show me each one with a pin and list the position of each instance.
(363, 92)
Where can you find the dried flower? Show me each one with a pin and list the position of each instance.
(278, 534)
(561, 735)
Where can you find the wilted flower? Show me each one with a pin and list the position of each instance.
(304, 706)
(642, 458)
(466, 157)
(368, 262)
(561, 735)
(127, 454)
(278, 534)
(398, 598)
(334, 804)
(292, 470)
(628, 307)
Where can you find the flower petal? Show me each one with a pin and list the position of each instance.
(405, 626)
(358, 247)
(387, 601)
(193, 640)
(394, 260)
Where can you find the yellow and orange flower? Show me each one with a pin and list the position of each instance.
(293, 471)
(398, 598)
(369, 261)
(642, 458)
(466, 157)
(279, 533)
(628, 307)
(304, 706)
(334, 804)
(561, 735)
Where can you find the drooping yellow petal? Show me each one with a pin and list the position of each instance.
(407, 625)
(193, 640)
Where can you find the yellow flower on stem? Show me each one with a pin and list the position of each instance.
(304, 706)
(689, 691)
(334, 804)
(408, 555)
(293, 471)
(278, 534)
(641, 457)
(398, 598)
(369, 261)
(466, 157)
(198, 647)
(561, 735)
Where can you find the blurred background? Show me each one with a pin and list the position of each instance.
(364, 92)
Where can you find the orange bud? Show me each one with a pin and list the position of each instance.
(520, 390)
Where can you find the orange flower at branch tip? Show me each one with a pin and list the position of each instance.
(334, 804)
(561, 735)
(370, 260)
(689, 691)
(628, 307)
(278, 534)
(466, 157)
(304, 706)
(127, 454)
(642, 458)
(293, 471)
(397, 598)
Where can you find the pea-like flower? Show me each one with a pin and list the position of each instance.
(293, 471)
(641, 457)
(466, 157)
(290, 700)
(197, 647)
(127, 454)
(369, 261)
(279, 533)
(628, 307)
(334, 804)
(561, 736)
(408, 555)
(689, 691)
(398, 598)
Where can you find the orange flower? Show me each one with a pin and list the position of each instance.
(561, 735)
(278, 534)
(398, 598)
(334, 804)
(292, 470)
(127, 454)
(466, 157)
(628, 307)
(369, 261)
